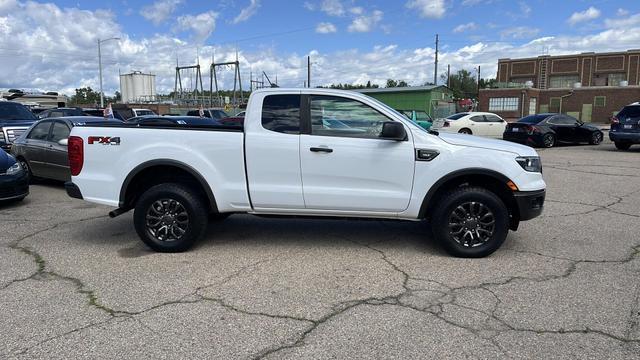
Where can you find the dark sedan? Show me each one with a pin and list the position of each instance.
(546, 130)
(157, 120)
(42, 150)
(14, 181)
(60, 112)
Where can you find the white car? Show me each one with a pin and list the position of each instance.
(472, 123)
(308, 152)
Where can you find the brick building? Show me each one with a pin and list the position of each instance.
(588, 86)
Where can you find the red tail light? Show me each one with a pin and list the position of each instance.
(446, 124)
(614, 120)
(76, 155)
(532, 129)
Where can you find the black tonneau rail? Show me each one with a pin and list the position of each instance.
(113, 124)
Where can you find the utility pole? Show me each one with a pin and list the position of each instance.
(100, 67)
(449, 75)
(478, 80)
(308, 71)
(435, 72)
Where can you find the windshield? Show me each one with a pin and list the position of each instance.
(144, 112)
(629, 112)
(13, 111)
(456, 116)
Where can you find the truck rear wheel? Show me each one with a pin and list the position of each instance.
(470, 222)
(170, 218)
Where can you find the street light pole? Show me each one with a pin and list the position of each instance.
(100, 68)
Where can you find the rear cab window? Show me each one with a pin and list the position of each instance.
(281, 113)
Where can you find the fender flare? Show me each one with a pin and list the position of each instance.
(168, 162)
(434, 190)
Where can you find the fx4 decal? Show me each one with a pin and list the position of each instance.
(104, 140)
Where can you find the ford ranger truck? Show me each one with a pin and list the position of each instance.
(308, 152)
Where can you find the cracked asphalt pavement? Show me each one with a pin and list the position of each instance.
(76, 284)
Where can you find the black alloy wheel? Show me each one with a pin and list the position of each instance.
(548, 140)
(596, 138)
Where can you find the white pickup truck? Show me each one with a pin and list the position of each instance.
(308, 152)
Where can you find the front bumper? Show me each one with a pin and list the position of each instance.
(14, 186)
(630, 137)
(530, 203)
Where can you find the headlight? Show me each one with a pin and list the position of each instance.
(530, 163)
(14, 169)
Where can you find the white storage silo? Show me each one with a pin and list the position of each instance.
(137, 87)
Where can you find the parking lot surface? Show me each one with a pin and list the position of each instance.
(77, 284)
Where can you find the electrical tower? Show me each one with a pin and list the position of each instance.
(237, 83)
(193, 95)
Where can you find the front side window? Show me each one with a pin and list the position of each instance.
(493, 119)
(336, 116)
(281, 113)
(40, 131)
(562, 120)
(422, 116)
(59, 131)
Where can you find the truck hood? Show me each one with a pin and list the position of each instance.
(484, 143)
(6, 160)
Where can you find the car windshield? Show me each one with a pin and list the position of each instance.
(456, 116)
(422, 116)
(144, 112)
(13, 111)
(629, 112)
(532, 119)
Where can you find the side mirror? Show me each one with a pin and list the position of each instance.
(393, 130)
(63, 142)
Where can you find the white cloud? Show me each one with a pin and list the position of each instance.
(325, 28)
(356, 10)
(590, 14)
(247, 12)
(366, 22)
(525, 9)
(434, 9)
(622, 12)
(629, 22)
(332, 7)
(465, 27)
(202, 25)
(160, 10)
(519, 32)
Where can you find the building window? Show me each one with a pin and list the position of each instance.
(615, 79)
(554, 104)
(504, 104)
(532, 105)
(600, 101)
(564, 81)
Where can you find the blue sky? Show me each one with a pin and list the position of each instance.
(52, 43)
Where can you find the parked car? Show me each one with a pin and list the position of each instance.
(15, 119)
(287, 160)
(42, 150)
(150, 120)
(419, 116)
(240, 114)
(473, 123)
(14, 180)
(142, 112)
(546, 130)
(60, 112)
(210, 113)
(97, 112)
(625, 127)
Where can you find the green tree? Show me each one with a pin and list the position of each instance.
(463, 84)
(85, 95)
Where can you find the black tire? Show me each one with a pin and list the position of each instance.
(548, 140)
(465, 131)
(622, 145)
(596, 138)
(487, 216)
(173, 212)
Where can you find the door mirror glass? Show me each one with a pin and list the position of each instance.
(392, 130)
(63, 142)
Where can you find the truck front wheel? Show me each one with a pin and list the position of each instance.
(470, 222)
(170, 218)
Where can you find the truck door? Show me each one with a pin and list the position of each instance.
(272, 148)
(346, 166)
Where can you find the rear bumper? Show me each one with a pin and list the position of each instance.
(14, 186)
(530, 203)
(630, 137)
(73, 190)
(531, 140)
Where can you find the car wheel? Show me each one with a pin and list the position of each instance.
(470, 222)
(596, 138)
(548, 140)
(465, 131)
(25, 165)
(622, 145)
(170, 218)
